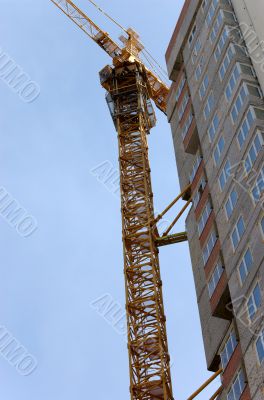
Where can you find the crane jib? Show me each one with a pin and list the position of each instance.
(159, 90)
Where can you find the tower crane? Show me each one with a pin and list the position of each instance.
(130, 87)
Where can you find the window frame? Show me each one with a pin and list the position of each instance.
(262, 227)
(219, 150)
(211, 13)
(230, 201)
(204, 86)
(253, 147)
(242, 388)
(261, 338)
(180, 87)
(230, 339)
(221, 43)
(212, 239)
(239, 99)
(199, 192)
(196, 50)
(204, 217)
(236, 231)
(235, 78)
(183, 105)
(246, 123)
(217, 273)
(258, 186)
(223, 66)
(204, 5)
(209, 106)
(216, 26)
(251, 316)
(199, 68)
(187, 124)
(243, 263)
(192, 35)
(195, 166)
(225, 174)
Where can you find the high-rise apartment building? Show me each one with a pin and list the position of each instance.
(216, 111)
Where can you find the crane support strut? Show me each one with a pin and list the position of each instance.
(128, 97)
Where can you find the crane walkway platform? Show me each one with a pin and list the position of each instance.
(171, 239)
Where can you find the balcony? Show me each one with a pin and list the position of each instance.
(220, 299)
(191, 140)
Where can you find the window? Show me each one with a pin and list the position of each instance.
(183, 105)
(232, 82)
(238, 104)
(262, 226)
(223, 178)
(213, 127)
(247, 69)
(199, 69)
(204, 217)
(180, 88)
(209, 246)
(218, 150)
(259, 112)
(199, 192)
(204, 87)
(196, 49)
(253, 152)
(221, 44)
(209, 106)
(238, 232)
(215, 278)
(211, 12)
(245, 265)
(228, 350)
(231, 203)
(237, 387)
(226, 62)
(245, 127)
(216, 27)
(187, 125)
(204, 4)
(191, 37)
(254, 302)
(195, 167)
(258, 187)
(254, 90)
(260, 347)
(229, 15)
(240, 50)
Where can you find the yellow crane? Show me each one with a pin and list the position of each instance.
(130, 87)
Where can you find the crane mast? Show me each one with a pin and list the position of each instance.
(133, 115)
(130, 87)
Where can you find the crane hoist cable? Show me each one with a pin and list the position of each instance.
(158, 72)
(165, 74)
(108, 16)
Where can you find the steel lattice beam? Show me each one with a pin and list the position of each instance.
(147, 341)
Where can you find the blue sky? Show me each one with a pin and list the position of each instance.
(48, 149)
